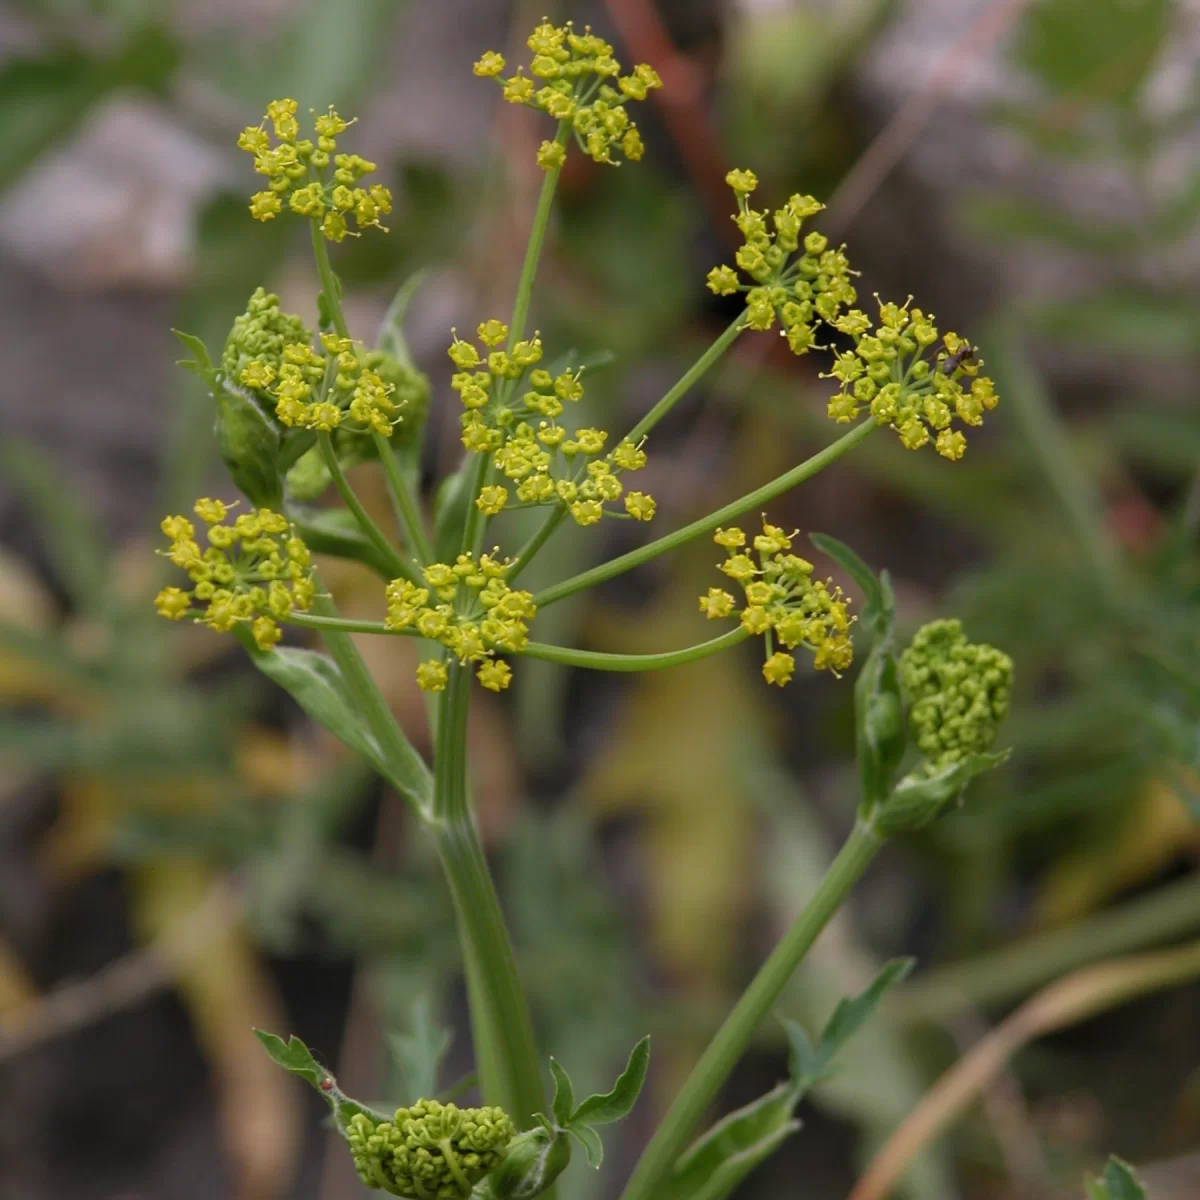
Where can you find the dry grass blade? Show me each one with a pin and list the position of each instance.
(1066, 1002)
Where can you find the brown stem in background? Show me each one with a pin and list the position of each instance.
(682, 102)
(897, 137)
(1064, 1003)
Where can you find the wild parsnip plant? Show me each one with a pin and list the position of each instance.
(295, 407)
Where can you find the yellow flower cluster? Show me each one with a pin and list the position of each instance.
(571, 74)
(910, 378)
(317, 392)
(254, 570)
(469, 609)
(782, 601)
(814, 285)
(529, 448)
(298, 170)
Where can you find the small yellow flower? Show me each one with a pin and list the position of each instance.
(729, 538)
(495, 675)
(492, 332)
(779, 668)
(586, 512)
(639, 506)
(172, 603)
(491, 499)
(716, 604)
(432, 676)
(551, 155)
(211, 511)
(266, 632)
(282, 115)
(519, 89)
(742, 182)
(722, 281)
(489, 65)
(265, 206)
(951, 445)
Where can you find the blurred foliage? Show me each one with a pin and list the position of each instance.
(638, 881)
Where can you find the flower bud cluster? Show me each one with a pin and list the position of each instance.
(469, 609)
(429, 1151)
(958, 692)
(911, 378)
(782, 601)
(255, 570)
(299, 173)
(261, 333)
(315, 391)
(574, 77)
(797, 280)
(512, 411)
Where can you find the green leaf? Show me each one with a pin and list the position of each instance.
(249, 443)
(294, 1056)
(612, 1106)
(200, 364)
(589, 1139)
(918, 799)
(418, 1054)
(881, 735)
(879, 609)
(734, 1168)
(391, 339)
(735, 1145)
(564, 1094)
(1119, 1181)
(450, 510)
(74, 541)
(811, 1064)
(334, 531)
(314, 681)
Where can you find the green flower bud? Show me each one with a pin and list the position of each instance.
(430, 1150)
(534, 1161)
(958, 693)
(261, 333)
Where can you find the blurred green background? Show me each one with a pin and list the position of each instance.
(183, 855)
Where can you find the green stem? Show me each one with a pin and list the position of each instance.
(505, 1050)
(405, 503)
(596, 660)
(473, 532)
(341, 625)
(387, 551)
(731, 512)
(654, 1168)
(329, 284)
(535, 543)
(533, 250)
(697, 369)
(474, 524)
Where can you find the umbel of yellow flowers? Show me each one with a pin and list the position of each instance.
(520, 430)
(253, 571)
(783, 603)
(574, 78)
(900, 368)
